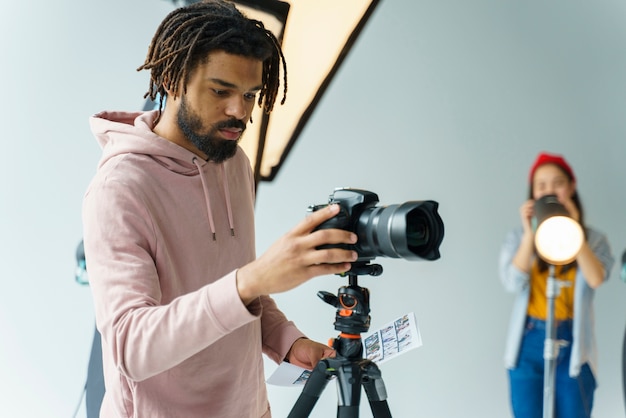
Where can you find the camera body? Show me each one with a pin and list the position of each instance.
(411, 230)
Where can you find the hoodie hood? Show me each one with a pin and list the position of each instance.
(131, 133)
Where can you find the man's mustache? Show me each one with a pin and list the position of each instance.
(232, 123)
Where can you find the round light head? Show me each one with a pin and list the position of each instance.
(558, 237)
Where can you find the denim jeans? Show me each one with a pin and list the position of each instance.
(573, 397)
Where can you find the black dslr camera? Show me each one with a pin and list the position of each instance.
(411, 230)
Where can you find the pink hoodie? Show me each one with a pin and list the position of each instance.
(164, 233)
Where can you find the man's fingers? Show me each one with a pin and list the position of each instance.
(332, 256)
(314, 219)
(331, 236)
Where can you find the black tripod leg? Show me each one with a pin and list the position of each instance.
(312, 390)
(375, 390)
(349, 389)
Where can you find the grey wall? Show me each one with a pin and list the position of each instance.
(442, 100)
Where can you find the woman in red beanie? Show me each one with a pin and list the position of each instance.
(522, 272)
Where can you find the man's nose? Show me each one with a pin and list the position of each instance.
(236, 108)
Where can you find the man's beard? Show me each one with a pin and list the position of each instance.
(215, 148)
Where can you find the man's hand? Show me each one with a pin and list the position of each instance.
(306, 353)
(294, 258)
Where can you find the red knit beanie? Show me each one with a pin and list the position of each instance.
(545, 158)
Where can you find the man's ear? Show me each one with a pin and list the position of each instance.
(171, 91)
(166, 87)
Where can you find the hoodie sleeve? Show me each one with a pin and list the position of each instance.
(279, 334)
(143, 336)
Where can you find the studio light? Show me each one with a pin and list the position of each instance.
(558, 237)
(558, 240)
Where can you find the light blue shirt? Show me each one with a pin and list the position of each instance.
(584, 348)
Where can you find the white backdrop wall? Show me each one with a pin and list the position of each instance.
(443, 100)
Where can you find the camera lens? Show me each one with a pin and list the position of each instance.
(416, 232)
(411, 230)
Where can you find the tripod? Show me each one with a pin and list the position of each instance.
(349, 366)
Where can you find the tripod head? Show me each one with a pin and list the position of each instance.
(353, 309)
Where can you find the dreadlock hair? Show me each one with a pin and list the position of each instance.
(188, 34)
(541, 263)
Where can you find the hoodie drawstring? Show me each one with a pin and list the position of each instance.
(231, 224)
(208, 200)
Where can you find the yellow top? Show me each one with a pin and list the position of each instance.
(563, 303)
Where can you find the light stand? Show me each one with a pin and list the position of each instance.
(558, 239)
(623, 277)
(551, 345)
(348, 366)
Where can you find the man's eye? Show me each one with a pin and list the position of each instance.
(249, 96)
(220, 92)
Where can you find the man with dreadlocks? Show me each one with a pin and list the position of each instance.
(181, 300)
